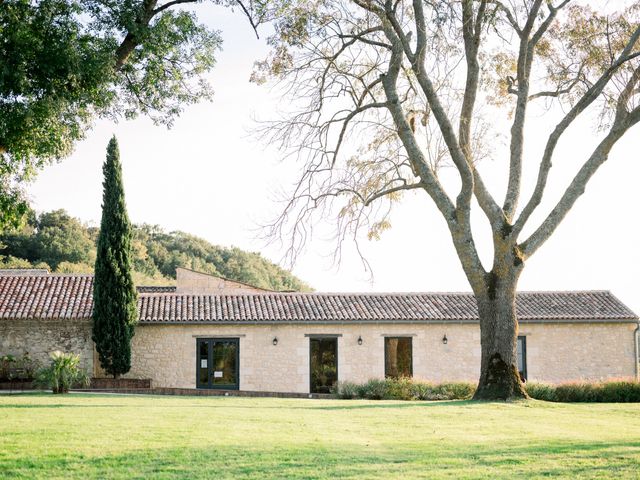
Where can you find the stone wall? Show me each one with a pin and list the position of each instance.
(555, 352)
(41, 337)
(189, 282)
(167, 353)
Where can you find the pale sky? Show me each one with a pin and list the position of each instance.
(207, 176)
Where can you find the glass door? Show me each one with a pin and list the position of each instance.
(323, 356)
(218, 363)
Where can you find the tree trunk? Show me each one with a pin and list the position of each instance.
(499, 377)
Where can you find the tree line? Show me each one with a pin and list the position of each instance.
(61, 243)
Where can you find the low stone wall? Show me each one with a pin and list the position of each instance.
(16, 385)
(206, 393)
(120, 383)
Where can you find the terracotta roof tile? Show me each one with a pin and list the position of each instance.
(70, 297)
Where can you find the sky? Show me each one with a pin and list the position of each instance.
(209, 176)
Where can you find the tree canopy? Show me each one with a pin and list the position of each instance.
(67, 62)
(386, 93)
(61, 243)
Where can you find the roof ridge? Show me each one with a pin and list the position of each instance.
(363, 294)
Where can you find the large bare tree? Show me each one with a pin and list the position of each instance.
(384, 93)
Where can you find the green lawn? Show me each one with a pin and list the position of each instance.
(111, 436)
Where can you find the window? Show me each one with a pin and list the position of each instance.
(521, 352)
(398, 357)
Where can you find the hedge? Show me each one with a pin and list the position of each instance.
(404, 389)
(618, 391)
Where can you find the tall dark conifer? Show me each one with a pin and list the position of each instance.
(114, 293)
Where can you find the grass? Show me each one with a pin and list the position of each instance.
(111, 436)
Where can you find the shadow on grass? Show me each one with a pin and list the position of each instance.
(348, 405)
(223, 402)
(315, 461)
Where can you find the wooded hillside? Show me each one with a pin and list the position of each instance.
(61, 243)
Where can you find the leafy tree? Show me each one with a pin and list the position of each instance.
(115, 309)
(67, 61)
(62, 238)
(179, 249)
(8, 261)
(53, 237)
(69, 245)
(71, 267)
(386, 93)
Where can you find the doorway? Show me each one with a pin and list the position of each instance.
(218, 363)
(323, 359)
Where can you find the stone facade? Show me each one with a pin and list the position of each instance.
(41, 312)
(190, 282)
(166, 354)
(555, 352)
(41, 337)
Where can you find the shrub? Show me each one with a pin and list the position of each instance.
(346, 390)
(7, 363)
(374, 389)
(443, 391)
(409, 389)
(26, 367)
(63, 373)
(610, 391)
(455, 390)
(541, 391)
(400, 389)
(620, 391)
(404, 389)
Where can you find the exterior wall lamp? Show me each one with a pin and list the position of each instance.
(275, 341)
(359, 340)
(445, 340)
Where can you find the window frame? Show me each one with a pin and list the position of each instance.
(390, 337)
(523, 339)
(321, 337)
(210, 341)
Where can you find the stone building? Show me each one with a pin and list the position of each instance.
(210, 332)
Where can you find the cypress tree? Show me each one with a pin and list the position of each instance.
(114, 294)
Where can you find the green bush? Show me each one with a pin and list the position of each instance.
(18, 368)
(375, 389)
(541, 391)
(404, 389)
(346, 390)
(400, 389)
(7, 363)
(618, 391)
(63, 373)
(454, 391)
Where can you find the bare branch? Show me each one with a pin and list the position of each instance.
(457, 155)
(247, 14)
(368, 201)
(560, 90)
(578, 185)
(525, 60)
(432, 185)
(171, 4)
(585, 101)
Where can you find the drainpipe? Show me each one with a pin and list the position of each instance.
(636, 337)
